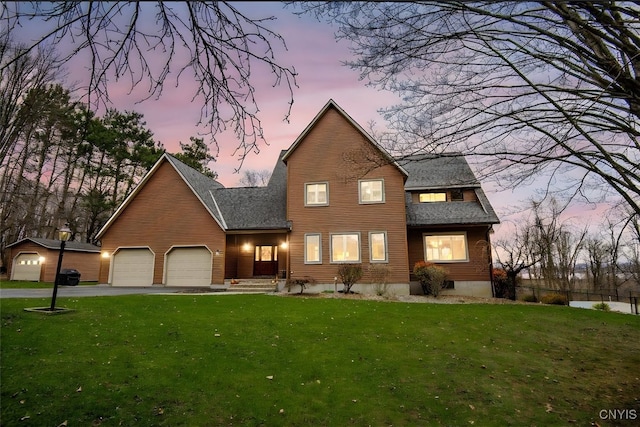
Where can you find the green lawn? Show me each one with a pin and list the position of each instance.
(252, 360)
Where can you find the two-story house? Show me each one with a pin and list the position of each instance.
(335, 196)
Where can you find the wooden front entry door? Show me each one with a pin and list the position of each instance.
(266, 261)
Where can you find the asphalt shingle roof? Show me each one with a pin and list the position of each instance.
(433, 172)
(55, 244)
(264, 208)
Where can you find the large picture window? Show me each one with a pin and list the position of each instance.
(446, 247)
(371, 191)
(316, 194)
(312, 249)
(345, 247)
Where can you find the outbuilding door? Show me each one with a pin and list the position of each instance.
(188, 267)
(26, 267)
(132, 267)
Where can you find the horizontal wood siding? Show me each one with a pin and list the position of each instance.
(165, 213)
(477, 268)
(334, 151)
(87, 263)
(240, 260)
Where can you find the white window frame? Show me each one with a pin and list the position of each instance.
(386, 249)
(360, 192)
(453, 233)
(306, 192)
(344, 234)
(319, 236)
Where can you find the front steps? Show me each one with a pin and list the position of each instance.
(253, 286)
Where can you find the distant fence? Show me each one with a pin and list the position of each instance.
(602, 295)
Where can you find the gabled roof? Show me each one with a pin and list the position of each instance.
(55, 244)
(432, 172)
(200, 184)
(332, 104)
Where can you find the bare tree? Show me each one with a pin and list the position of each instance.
(144, 43)
(515, 255)
(530, 87)
(255, 178)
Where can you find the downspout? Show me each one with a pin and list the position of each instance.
(490, 256)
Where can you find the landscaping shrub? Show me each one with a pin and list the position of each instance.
(379, 276)
(529, 298)
(349, 274)
(432, 277)
(302, 282)
(554, 299)
(602, 306)
(500, 283)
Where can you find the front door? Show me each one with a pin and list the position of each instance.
(266, 261)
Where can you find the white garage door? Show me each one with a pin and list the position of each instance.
(132, 267)
(189, 267)
(26, 267)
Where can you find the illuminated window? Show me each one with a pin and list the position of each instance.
(312, 249)
(446, 247)
(345, 247)
(372, 191)
(266, 253)
(378, 246)
(316, 194)
(433, 197)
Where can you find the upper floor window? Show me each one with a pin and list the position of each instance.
(433, 197)
(446, 247)
(371, 191)
(316, 194)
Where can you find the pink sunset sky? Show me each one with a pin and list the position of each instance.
(316, 56)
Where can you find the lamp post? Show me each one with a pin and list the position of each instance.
(63, 235)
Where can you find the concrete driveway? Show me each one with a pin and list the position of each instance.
(85, 291)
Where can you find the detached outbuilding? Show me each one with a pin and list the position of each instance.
(35, 259)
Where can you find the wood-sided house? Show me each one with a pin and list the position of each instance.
(335, 196)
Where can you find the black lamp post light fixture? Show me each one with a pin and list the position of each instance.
(64, 234)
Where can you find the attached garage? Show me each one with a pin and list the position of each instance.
(190, 266)
(26, 266)
(132, 267)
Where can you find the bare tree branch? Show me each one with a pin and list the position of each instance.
(521, 88)
(144, 43)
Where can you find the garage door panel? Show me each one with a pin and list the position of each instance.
(188, 267)
(133, 267)
(26, 267)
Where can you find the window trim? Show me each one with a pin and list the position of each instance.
(306, 261)
(451, 233)
(370, 202)
(345, 233)
(306, 202)
(386, 249)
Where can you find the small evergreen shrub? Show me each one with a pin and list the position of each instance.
(554, 299)
(529, 298)
(602, 306)
(432, 277)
